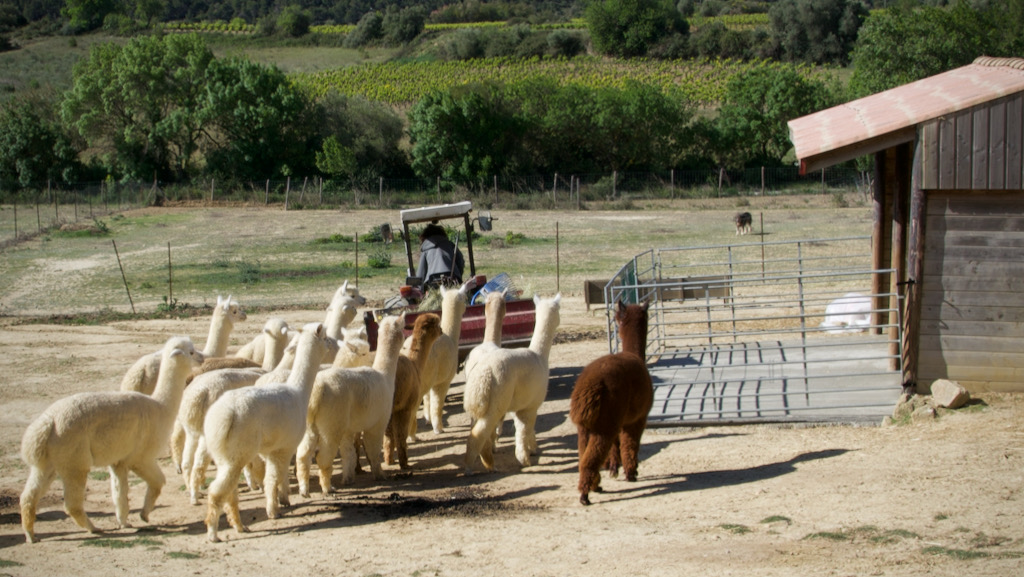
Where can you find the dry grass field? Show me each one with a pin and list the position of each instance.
(940, 497)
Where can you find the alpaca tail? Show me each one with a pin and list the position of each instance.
(586, 401)
(479, 392)
(36, 440)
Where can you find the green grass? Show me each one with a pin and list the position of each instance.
(960, 554)
(828, 536)
(735, 529)
(9, 563)
(108, 543)
(777, 519)
(183, 555)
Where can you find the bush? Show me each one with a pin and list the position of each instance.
(370, 28)
(380, 258)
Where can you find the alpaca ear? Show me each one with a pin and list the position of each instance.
(558, 299)
(227, 303)
(646, 305)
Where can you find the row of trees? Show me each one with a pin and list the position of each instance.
(166, 108)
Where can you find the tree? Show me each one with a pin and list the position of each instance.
(630, 28)
(141, 104)
(361, 139)
(818, 31)
(33, 148)
(403, 26)
(166, 107)
(85, 15)
(294, 21)
(901, 45)
(468, 134)
(370, 28)
(260, 126)
(758, 103)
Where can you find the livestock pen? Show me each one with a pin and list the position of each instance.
(745, 332)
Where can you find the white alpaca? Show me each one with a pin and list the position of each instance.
(204, 390)
(122, 430)
(443, 362)
(510, 380)
(141, 377)
(266, 421)
(850, 313)
(345, 402)
(340, 313)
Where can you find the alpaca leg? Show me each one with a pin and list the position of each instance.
(150, 473)
(348, 459)
(37, 485)
(223, 493)
(197, 471)
(178, 447)
(325, 461)
(526, 442)
(592, 456)
(614, 460)
(304, 460)
(437, 397)
(373, 439)
(119, 494)
(254, 473)
(479, 443)
(188, 457)
(412, 428)
(277, 469)
(629, 442)
(74, 497)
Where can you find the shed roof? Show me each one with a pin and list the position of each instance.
(882, 120)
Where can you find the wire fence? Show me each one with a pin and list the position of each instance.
(34, 210)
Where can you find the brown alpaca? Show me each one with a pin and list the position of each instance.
(425, 331)
(610, 403)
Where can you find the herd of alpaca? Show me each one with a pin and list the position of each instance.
(314, 392)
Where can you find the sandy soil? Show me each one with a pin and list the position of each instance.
(942, 497)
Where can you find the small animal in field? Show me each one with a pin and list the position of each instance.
(610, 403)
(743, 221)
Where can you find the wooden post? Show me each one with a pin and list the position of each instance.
(56, 206)
(357, 260)
(578, 207)
(672, 189)
(287, 191)
(380, 192)
(321, 190)
(762, 181)
(266, 195)
(822, 181)
(170, 278)
(495, 188)
(439, 189)
(302, 193)
(39, 219)
(615, 183)
(15, 218)
(123, 278)
(915, 256)
(213, 183)
(558, 262)
(554, 189)
(877, 248)
(721, 176)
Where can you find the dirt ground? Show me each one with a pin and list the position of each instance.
(942, 497)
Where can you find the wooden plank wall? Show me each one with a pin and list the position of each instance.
(972, 313)
(975, 149)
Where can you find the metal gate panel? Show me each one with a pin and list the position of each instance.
(751, 332)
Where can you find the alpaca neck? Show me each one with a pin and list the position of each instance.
(452, 310)
(634, 340)
(419, 352)
(543, 335)
(386, 360)
(217, 339)
(307, 363)
(338, 320)
(274, 352)
(170, 384)
(495, 318)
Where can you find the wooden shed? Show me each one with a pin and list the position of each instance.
(948, 214)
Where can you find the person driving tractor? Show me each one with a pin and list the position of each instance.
(441, 262)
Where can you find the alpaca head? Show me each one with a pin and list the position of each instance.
(276, 328)
(495, 304)
(426, 329)
(181, 349)
(228, 310)
(632, 326)
(346, 296)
